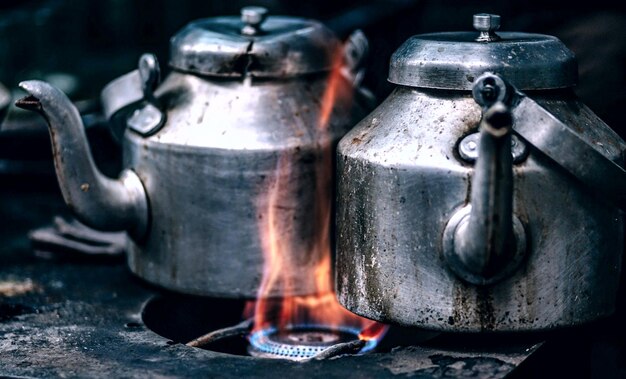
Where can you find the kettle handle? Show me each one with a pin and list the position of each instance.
(355, 52)
(541, 129)
(121, 93)
(134, 91)
(537, 127)
(474, 240)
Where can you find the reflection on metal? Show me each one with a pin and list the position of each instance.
(253, 17)
(453, 60)
(148, 118)
(584, 155)
(254, 45)
(5, 101)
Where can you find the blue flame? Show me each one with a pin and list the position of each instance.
(260, 341)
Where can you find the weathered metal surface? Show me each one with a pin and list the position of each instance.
(84, 321)
(399, 182)
(275, 47)
(453, 60)
(593, 155)
(406, 187)
(208, 173)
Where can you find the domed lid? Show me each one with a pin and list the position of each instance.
(253, 44)
(453, 60)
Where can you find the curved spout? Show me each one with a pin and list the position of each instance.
(98, 201)
(483, 241)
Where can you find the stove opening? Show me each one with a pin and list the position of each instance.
(216, 325)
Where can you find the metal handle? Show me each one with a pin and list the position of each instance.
(135, 92)
(150, 74)
(541, 129)
(475, 238)
(355, 52)
(544, 131)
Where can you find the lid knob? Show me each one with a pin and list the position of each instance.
(487, 24)
(253, 17)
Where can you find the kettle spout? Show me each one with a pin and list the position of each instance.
(482, 241)
(96, 200)
(485, 239)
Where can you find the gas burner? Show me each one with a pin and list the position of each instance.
(301, 342)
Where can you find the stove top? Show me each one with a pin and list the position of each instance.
(91, 318)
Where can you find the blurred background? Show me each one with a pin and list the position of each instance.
(82, 45)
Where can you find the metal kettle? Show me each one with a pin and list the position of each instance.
(202, 147)
(481, 195)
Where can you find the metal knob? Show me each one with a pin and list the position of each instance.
(487, 24)
(253, 17)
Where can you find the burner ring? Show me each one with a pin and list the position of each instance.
(300, 342)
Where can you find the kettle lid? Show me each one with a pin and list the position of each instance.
(253, 44)
(452, 60)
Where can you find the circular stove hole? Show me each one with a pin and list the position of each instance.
(182, 318)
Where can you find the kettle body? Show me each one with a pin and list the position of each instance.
(209, 174)
(409, 177)
(400, 180)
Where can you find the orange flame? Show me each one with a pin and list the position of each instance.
(334, 89)
(372, 331)
(282, 247)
